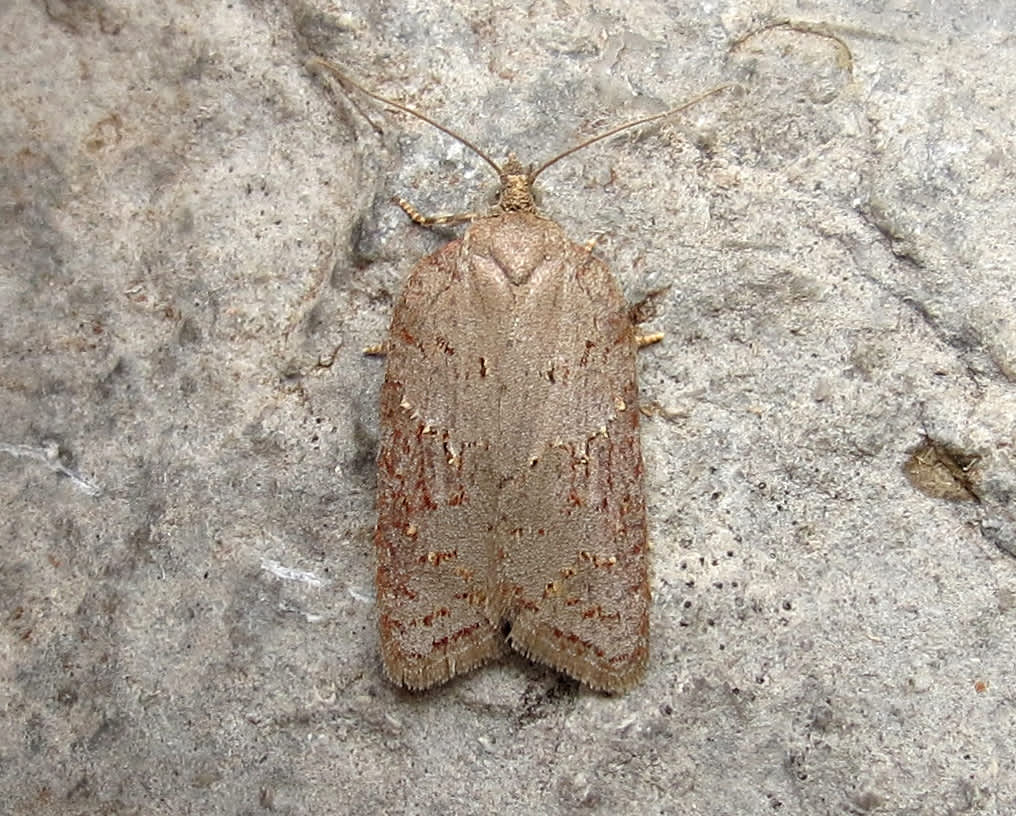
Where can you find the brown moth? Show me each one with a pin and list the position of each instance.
(510, 500)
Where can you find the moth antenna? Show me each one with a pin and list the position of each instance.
(846, 56)
(346, 81)
(635, 123)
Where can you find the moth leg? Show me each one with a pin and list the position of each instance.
(638, 312)
(433, 220)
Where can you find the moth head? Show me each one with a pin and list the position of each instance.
(516, 193)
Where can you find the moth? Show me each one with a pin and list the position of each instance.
(511, 509)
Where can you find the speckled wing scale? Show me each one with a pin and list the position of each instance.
(511, 510)
(510, 471)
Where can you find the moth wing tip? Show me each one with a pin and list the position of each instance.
(422, 672)
(597, 673)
